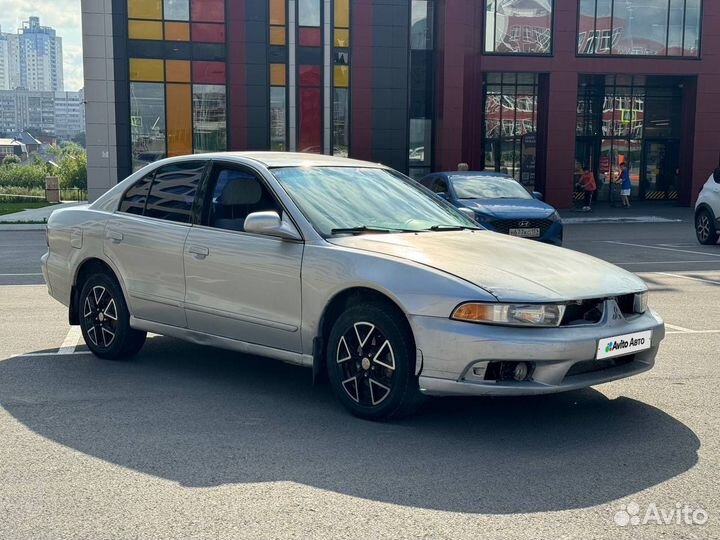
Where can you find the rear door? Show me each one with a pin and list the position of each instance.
(240, 285)
(146, 236)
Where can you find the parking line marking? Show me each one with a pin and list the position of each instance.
(16, 275)
(691, 278)
(30, 355)
(662, 248)
(665, 262)
(71, 341)
(679, 328)
(695, 332)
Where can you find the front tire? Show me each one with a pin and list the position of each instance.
(371, 363)
(705, 228)
(105, 319)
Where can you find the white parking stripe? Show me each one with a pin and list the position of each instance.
(30, 355)
(696, 332)
(691, 278)
(662, 248)
(665, 262)
(16, 275)
(678, 328)
(71, 341)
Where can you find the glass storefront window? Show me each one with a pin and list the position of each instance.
(209, 118)
(147, 123)
(421, 25)
(177, 10)
(639, 27)
(341, 115)
(518, 26)
(309, 12)
(511, 105)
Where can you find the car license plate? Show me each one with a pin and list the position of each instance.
(624, 345)
(525, 233)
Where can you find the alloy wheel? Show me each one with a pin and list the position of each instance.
(703, 227)
(101, 317)
(367, 364)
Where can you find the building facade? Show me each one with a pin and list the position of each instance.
(57, 114)
(32, 58)
(535, 88)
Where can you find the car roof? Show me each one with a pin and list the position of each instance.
(292, 159)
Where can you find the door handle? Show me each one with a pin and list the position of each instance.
(115, 236)
(199, 252)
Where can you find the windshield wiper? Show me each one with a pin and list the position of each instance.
(369, 229)
(452, 228)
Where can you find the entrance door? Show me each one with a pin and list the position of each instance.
(660, 177)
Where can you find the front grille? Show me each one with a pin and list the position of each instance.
(592, 366)
(504, 225)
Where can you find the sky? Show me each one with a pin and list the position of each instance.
(64, 16)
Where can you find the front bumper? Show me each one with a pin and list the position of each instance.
(561, 359)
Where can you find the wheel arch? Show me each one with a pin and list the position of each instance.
(706, 206)
(85, 269)
(339, 303)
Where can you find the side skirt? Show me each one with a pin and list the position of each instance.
(202, 338)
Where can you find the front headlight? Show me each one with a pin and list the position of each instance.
(555, 216)
(482, 218)
(640, 302)
(510, 314)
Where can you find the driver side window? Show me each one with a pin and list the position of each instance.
(236, 194)
(439, 185)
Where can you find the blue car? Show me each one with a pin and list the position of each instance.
(499, 203)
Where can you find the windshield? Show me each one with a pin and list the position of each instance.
(367, 199)
(488, 187)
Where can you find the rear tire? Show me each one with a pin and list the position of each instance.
(371, 363)
(105, 319)
(705, 228)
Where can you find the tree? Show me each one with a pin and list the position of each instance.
(10, 159)
(72, 170)
(80, 139)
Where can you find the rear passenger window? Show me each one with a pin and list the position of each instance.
(173, 191)
(133, 202)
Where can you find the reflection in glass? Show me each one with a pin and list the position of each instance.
(309, 12)
(420, 141)
(278, 116)
(421, 25)
(176, 10)
(173, 191)
(341, 128)
(639, 27)
(147, 123)
(209, 118)
(518, 26)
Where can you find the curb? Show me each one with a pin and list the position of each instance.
(618, 220)
(23, 227)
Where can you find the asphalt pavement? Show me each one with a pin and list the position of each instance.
(193, 442)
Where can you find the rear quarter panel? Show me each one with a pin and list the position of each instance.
(74, 235)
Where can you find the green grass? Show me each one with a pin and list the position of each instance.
(12, 207)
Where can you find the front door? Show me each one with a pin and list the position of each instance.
(240, 285)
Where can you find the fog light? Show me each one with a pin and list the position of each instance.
(520, 371)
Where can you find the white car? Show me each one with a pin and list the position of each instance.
(707, 211)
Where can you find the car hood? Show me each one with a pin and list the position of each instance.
(509, 208)
(511, 269)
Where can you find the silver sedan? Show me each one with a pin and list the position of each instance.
(348, 268)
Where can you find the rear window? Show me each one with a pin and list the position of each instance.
(133, 202)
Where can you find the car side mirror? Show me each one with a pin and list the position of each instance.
(537, 195)
(269, 223)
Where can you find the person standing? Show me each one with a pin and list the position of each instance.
(625, 185)
(589, 187)
(462, 166)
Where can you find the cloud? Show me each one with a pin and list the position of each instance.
(65, 17)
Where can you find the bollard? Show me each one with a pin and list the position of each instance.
(52, 189)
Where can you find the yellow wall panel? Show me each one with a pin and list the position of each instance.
(145, 30)
(342, 13)
(277, 11)
(177, 70)
(145, 9)
(277, 35)
(177, 31)
(179, 119)
(342, 76)
(342, 37)
(146, 69)
(277, 75)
